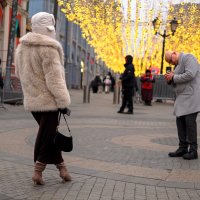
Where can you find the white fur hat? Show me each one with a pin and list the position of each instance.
(43, 23)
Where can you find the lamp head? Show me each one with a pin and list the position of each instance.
(174, 25)
(156, 24)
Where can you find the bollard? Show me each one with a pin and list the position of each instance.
(2, 98)
(86, 94)
(119, 94)
(115, 95)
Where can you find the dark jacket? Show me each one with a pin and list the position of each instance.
(97, 81)
(128, 77)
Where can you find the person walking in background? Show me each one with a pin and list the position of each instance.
(147, 81)
(107, 83)
(100, 87)
(96, 83)
(112, 82)
(127, 80)
(40, 68)
(185, 79)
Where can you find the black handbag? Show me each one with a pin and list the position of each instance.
(61, 141)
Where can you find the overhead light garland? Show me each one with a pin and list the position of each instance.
(113, 35)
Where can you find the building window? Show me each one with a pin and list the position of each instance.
(17, 29)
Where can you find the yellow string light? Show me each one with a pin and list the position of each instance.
(105, 28)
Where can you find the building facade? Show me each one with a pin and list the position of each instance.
(5, 19)
(81, 65)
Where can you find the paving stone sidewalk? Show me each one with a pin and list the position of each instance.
(115, 156)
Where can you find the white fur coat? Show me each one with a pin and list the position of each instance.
(39, 66)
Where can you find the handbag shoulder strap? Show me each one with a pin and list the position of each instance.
(66, 123)
(59, 117)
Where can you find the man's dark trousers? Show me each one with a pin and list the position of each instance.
(187, 131)
(127, 99)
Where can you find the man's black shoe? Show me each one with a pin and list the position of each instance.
(191, 155)
(129, 112)
(120, 111)
(178, 153)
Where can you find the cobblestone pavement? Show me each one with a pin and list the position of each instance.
(115, 156)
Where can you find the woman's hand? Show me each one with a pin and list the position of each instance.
(65, 111)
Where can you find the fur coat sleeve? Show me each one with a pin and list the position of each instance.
(55, 77)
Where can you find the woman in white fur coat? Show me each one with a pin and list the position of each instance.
(39, 66)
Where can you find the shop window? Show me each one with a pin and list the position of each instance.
(17, 28)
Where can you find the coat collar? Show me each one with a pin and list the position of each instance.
(35, 39)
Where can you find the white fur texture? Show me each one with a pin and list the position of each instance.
(43, 23)
(39, 65)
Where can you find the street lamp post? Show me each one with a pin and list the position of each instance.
(11, 44)
(156, 24)
(55, 11)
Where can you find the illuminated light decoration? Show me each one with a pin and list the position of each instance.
(113, 35)
(187, 37)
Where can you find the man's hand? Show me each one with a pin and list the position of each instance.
(169, 76)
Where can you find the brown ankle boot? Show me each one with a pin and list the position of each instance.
(37, 177)
(63, 172)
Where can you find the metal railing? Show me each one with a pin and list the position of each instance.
(14, 93)
(12, 96)
(161, 90)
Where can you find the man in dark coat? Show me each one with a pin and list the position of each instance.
(127, 81)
